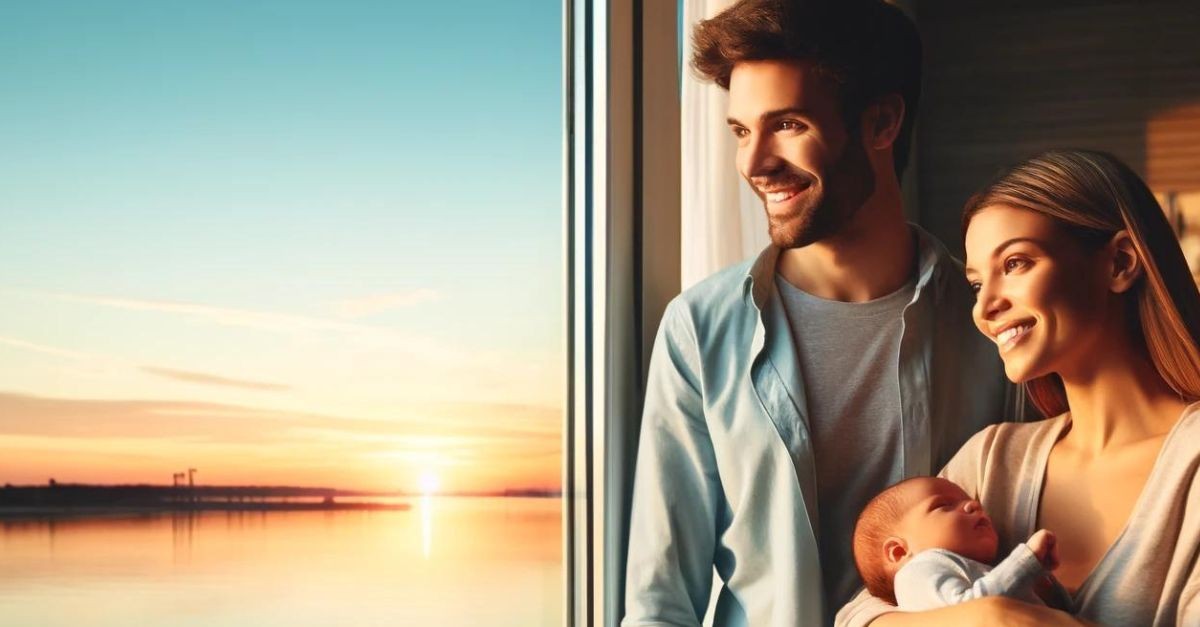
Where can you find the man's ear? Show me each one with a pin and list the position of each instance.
(894, 550)
(1127, 266)
(882, 121)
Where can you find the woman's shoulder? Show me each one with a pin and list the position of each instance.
(1004, 451)
(1004, 437)
(1184, 438)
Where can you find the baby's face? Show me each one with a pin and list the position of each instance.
(941, 516)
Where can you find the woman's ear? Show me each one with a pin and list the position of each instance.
(1127, 265)
(883, 120)
(894, 550)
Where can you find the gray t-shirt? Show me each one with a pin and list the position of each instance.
(849, 361)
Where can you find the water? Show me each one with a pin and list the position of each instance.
(448, 562)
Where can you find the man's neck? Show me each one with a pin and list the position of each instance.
(869, 258)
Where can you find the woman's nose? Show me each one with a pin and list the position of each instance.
(990, 302)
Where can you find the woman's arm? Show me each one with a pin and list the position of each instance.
(982, 613)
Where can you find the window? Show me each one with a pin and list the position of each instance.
(281, 334)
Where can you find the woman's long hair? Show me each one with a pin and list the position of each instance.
(1093, 195)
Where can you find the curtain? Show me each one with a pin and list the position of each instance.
(723, 222)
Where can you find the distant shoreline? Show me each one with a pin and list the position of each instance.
(96, 511)
(90, 501)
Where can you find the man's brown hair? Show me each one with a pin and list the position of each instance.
(867, 48)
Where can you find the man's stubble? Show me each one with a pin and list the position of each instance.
(849, 182)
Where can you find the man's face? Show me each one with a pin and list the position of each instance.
(794, 149)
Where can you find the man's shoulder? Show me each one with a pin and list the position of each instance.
(717, 301)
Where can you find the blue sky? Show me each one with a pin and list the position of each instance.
(355, 204)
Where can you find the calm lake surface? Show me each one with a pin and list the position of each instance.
(447, 561)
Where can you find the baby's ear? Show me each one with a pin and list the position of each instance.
(894, 550)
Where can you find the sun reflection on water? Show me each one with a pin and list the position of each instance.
(427, 524)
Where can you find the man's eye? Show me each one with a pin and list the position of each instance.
(790, 125)
(739, 132)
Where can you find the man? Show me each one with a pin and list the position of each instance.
(784, 393)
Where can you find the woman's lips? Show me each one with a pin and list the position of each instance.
(1010, 337)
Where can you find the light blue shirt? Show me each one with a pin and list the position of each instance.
(937, 578)
(725, 471)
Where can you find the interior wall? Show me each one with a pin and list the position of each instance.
(1006, 80)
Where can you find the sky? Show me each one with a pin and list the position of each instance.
(285, 242)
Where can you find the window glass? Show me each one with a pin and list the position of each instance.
(281, 336)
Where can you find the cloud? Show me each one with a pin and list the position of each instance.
(170, 373)
(378, 303)
(269, 321)
(209, 379)
(28, 415)
(49, 350)
(366, 335)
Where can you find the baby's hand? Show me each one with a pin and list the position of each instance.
(1045, 548)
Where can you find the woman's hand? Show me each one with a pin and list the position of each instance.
(983, 613)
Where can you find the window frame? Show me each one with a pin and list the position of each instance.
(622, 240)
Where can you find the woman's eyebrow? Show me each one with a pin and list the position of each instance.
(1017, 240)
(968, 270)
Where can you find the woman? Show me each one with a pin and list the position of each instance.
(1081, 283)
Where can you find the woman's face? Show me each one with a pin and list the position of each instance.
(1039, 294)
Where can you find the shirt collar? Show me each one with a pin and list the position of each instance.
(933, 262)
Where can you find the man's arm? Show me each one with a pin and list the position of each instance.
(672, 531)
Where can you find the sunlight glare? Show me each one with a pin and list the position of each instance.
(428, 482)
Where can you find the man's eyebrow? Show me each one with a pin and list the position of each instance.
(968, 270)
(774, 113)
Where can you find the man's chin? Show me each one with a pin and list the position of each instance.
(792, 233)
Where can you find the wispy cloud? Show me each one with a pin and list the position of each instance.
(113, 362)
(23, 414)
(276, 322)
(49, 350)
(378, 303)
(211, 379)
(268, 321)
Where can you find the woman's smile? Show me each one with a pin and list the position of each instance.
(1038, 296)
(1012, 334)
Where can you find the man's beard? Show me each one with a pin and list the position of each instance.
(829, 204)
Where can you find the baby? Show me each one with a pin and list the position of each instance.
(924, 543)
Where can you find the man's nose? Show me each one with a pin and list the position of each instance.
(759, 157)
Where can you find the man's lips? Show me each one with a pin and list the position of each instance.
(782, 193)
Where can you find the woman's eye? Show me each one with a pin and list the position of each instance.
(1014, 263)
(975, 287)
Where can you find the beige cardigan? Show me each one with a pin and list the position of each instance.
(1149, 576)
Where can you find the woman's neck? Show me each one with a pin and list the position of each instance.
(1120, 400)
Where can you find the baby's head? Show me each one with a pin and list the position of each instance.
(912, 516)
